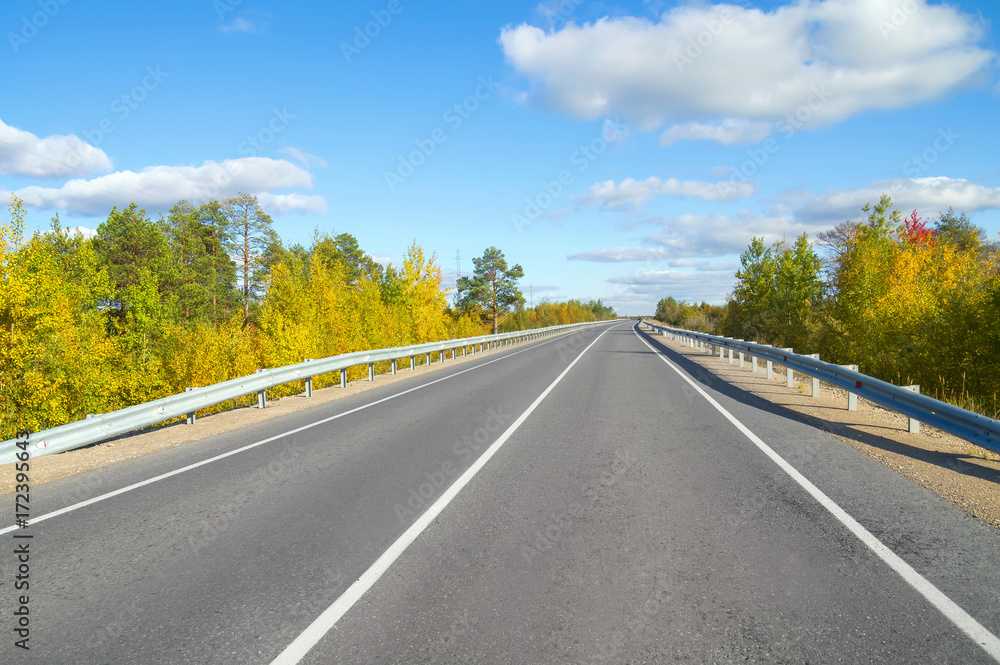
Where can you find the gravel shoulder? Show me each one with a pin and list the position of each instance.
(144, 442)
(958, 471)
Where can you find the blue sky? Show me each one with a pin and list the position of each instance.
(624, 151)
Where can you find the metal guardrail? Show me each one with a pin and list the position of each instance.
(971, 426)
(105, 426)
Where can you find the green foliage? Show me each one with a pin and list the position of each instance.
(959, 230)
(777, 290)
(135, 251)
(492, 288)
(343, 249)
(254, 243)
(146, 309)
(703, 317)
(555, 314)
(907, 302)
(204, 276)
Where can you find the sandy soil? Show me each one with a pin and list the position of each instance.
(964, 474)
(954, 469)
(53, 467)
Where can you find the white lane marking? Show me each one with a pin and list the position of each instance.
(164, 476)
(962, 619)
(301, 645)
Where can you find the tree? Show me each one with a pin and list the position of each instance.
(130, 244)
(493, 286)
(216, 235)
(798, 291)
(959, 231)
(754, 291)
(424, 299)
(252, 240)
(777, 290)
(600, 310)
(344, 249)
(205, 275)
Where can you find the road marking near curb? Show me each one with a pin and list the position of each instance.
(301, 645)
(965, 622)
(164, 476)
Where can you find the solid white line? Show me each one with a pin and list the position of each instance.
(301, 645)
(989, 642)
(164, 476)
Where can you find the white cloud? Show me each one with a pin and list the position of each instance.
(651, 256)
(647, 287)
(249, 22)
(727, 132)
(621, 255)
(279, 204)
(706, 266)
(83, 231)
(631, 193)
(159, 187)
(59, 155)
(927, 195)
(823, 59)
(706, 236)
(307, 160)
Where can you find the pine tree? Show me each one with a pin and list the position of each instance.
(493, 286)
(252, 239)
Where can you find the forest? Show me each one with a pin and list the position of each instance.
(146, 308)
(909, 300)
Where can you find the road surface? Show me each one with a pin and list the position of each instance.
(570, 500)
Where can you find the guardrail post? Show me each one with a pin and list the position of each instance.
(730, 356)
(309, 381)
(343, 377)
(371, 371)
(722, 352)
(465, 351)
(914, 424)
(261, 397)
(852, 398)
(413, 362)
(789, 374)
(190, 416)
(753, 363)
(770, 370)
(428, 358)
(815, 381)
(393, 365)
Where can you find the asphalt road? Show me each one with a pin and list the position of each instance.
(620, 518)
